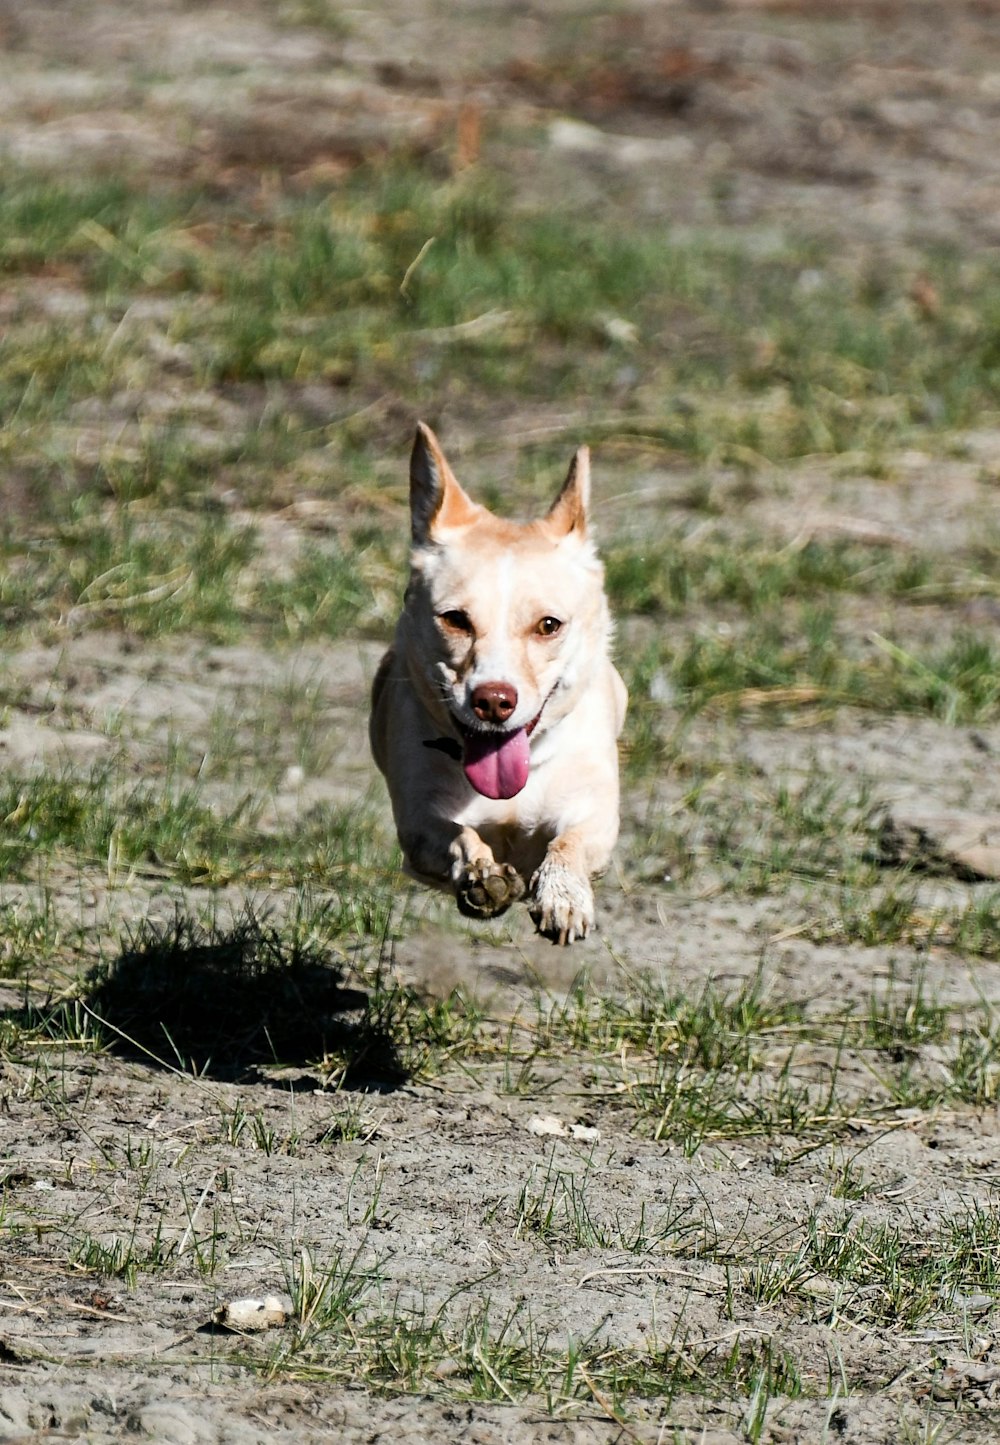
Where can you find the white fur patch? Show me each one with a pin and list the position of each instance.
(563, 904)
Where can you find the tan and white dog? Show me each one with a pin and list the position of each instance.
(496, 711)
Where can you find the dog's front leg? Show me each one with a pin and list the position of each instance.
(457, 855)
(483, 887)
(562, 905)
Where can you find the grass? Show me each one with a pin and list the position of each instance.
(693, 1070)
(31, 934)
(100, 572)
(763, 836)
(901, 1277)
(880, 1275)
(894, 914)
(167, 828)
(690, 1070)
(905, 1017)
(791, 660)
(219, 999)
(687, 1068)
(345, 1333)
(120, 1258)
(370, 289)
(676, 575)
(208, 390)
(90, 819)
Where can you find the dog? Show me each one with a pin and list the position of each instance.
(496, 711)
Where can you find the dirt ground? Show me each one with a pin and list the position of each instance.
(877, 120)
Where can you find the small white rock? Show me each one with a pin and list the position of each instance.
(252, 1315)
(547, 1126)
(586, 1133)
(550, 1126)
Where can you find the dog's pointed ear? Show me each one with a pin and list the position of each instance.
(568, 512)
(436, 499)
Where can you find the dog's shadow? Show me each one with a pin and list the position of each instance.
(238, 1004)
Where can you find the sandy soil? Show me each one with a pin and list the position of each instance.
(873, 111)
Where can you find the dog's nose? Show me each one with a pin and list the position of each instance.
(494, 701)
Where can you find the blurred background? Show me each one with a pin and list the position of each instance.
(243, 246)
(745, 248)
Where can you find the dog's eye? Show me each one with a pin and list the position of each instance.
(456, 620)
(548, 627)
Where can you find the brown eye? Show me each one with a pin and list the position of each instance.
(456, 620)
(548, 627)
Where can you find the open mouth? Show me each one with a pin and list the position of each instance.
(497, 764)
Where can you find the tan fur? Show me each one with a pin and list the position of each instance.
(482, 595)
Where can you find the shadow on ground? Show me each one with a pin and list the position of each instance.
(228, 1004)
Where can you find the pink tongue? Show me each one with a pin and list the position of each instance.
(496, 764)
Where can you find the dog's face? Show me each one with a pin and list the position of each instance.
(502, 618)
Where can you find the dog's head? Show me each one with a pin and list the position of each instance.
(503, 619)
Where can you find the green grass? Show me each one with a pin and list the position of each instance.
(104, 822)
(170, 573)
(366, 289)
(673, 576)
(31, 935)
(897, 1276)
(206, 439)
(893, 914)
(499, 1354)
(687, 1069)
(906, 1017)
(762, 836)
(166, 828)
(122, 1258)
(326, 286)
(799, 659)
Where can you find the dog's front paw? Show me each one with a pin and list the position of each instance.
(563, 904)
(485, 890)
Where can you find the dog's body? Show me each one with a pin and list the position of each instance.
(496, 711)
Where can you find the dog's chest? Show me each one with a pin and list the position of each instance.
(517, 829)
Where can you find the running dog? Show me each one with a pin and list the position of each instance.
(495, 713)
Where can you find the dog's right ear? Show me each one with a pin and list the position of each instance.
(436, 499)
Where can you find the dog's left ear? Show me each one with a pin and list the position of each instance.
(568, 512)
